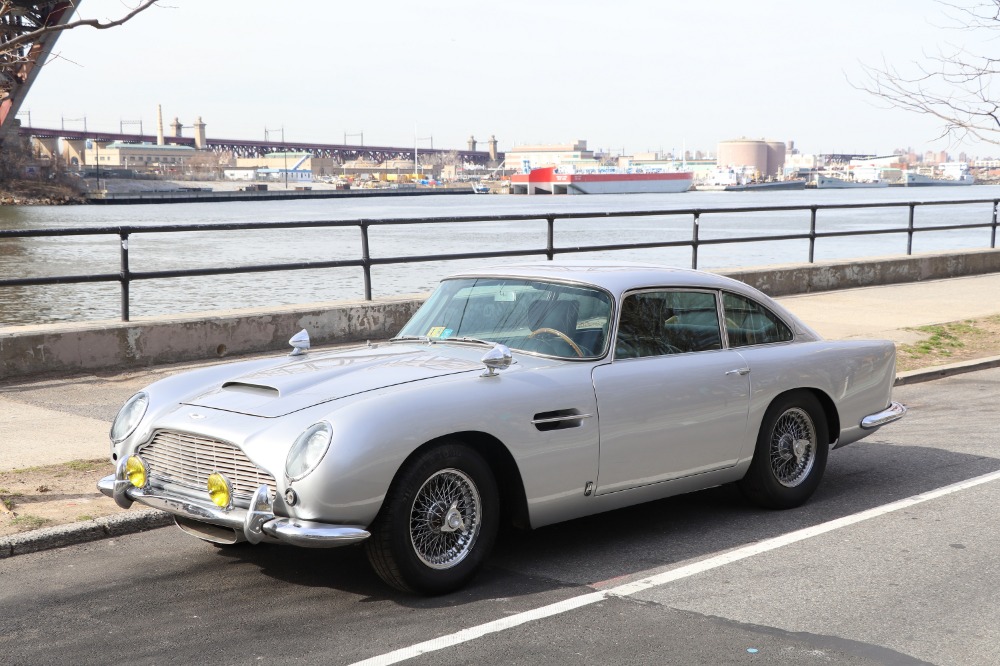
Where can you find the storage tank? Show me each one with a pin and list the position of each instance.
(744, 152)
(775, 158)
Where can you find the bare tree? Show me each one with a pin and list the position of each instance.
(24, 22)
(28, 31)
(955, 84)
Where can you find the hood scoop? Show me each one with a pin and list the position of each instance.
(253, 389)
(304, 381)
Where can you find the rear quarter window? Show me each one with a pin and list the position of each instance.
(750, 323)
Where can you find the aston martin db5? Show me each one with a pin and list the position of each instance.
(529, 393)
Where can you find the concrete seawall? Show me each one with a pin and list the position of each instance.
(89, 346)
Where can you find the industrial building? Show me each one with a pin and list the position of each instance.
(766, 157)
(532, 157)
(138, 156)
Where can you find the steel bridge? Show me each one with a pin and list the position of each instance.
(19, 63)
(255, 148)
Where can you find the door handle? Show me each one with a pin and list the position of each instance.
(738, 371)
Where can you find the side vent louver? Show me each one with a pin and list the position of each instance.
(559, 419)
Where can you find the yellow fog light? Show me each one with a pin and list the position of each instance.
(135, 471)
(220, 490)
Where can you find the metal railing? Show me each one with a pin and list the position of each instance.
(125, 276)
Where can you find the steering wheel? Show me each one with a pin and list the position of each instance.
(562, 336)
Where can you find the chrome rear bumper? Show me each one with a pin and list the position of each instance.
(893, 412)
(255, 524)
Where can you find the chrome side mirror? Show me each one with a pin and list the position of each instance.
(299, 343)
(498, 358)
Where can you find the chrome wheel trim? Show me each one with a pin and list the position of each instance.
(445, 519)
(793, 446)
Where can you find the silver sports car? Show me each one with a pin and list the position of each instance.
(533, 393)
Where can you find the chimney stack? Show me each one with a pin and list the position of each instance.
(159, 125)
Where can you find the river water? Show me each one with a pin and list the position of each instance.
(77, 255)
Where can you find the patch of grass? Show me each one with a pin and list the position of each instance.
(8, 503)
(86, 465)
(943, 340)
(25, 523)
(84, 517)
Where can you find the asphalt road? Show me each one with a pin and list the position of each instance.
(719, 581)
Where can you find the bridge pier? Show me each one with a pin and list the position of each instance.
(45, 147)
(74, 152)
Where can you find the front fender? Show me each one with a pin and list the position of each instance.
(376, 432)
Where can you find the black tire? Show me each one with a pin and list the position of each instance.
(412, 546)
(792, 448)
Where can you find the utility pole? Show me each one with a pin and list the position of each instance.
(284, 148)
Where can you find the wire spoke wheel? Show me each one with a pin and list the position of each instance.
(792, 450)
(439, 521)
(445, 519)
(793, 444)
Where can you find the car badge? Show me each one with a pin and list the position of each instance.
(196, 416)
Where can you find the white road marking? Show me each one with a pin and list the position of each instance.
(658, 580)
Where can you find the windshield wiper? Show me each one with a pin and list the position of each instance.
(466, 338)
(410, 338)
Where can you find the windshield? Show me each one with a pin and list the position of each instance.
(548, 318)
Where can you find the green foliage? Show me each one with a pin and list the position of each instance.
(86, 465)
(26, 523)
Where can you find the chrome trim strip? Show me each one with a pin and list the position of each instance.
(557, 419)
(893, 412)
(311, 534)
(254, 523)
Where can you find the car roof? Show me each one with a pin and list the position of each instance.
(614, 276)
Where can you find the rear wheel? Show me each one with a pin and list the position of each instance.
(791, 453)
(438, 523)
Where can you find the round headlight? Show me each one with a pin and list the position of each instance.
(129, 416)
(308, 449)
(135, 471)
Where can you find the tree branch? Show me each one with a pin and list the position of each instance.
(954, 85)
(31, 37)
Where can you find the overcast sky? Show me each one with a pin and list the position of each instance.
(625, 75)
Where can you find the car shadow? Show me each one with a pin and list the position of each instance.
(590, 552)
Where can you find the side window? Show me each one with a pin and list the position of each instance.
(657, 323)
(750, 323)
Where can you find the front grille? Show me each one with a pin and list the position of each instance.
(188, 460)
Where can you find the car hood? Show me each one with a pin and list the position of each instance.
(301, 382)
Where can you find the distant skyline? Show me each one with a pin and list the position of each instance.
(631, 76)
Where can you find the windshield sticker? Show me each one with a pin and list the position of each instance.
(436, 332)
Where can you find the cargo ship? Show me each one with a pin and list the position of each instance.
(920, 180)
(834, 183)
(562, 180)
(744, 179)
(951, 173)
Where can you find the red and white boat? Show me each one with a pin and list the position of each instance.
(561, 180)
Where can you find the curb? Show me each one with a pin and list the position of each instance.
(942, 371)
(75, 533)
(139, 521)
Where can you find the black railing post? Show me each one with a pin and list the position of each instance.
(694, 241)
(125, 274)
(993, 232)
(366, 261)
(550, 247)
(909, 231)
(812, 234)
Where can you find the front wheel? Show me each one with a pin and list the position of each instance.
(791, 453)
(438, 523)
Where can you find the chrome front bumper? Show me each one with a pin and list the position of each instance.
(893, 412)
(255, 524)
